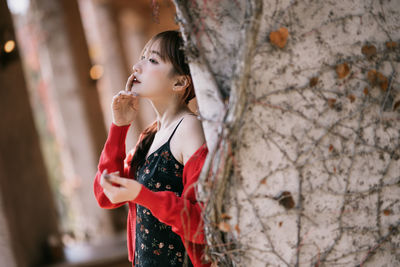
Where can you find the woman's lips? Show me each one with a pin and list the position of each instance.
(136, 80)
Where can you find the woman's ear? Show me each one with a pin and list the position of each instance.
(181, 83)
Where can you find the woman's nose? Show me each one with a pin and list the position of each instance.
(136, 68)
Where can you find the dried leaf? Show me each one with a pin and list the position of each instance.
(366, 91)
(237, 228)
(225, 216)
(285, 199)
(263, 181)
(331, 147)
(376, 78)
(371, 76)
(387, 212)
(279, 37)
(342, 70)
(369, 51)
(383, 81)
(351, 97)
(280, 223)
(391, 45)
(313, 81)
(224, 226)
(331, 102)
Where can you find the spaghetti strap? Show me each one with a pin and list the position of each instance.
(169, 139)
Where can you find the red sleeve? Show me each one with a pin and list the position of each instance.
(182, 213)
(113, 159)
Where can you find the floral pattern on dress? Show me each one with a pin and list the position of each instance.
(156, 243)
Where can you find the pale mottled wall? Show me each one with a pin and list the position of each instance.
(332, 146)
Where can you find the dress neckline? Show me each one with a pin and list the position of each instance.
(151, 154)
(169, 149)
(166, 143)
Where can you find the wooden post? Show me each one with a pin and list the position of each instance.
(28, 216)
(80, 125)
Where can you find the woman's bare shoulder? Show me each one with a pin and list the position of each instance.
(192, 127)
(191, 136)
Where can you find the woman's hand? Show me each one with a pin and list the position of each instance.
(125, 105)
(124, 189)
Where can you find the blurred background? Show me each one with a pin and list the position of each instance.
(61, 62)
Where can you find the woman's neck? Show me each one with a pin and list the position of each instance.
(167, 112)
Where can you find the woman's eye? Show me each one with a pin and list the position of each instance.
(153, 61)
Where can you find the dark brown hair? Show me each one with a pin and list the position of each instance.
(171, 50)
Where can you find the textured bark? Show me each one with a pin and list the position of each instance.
(303, 129)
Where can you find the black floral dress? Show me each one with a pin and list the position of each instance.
(156, 244)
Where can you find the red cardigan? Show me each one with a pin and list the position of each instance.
(182, 213)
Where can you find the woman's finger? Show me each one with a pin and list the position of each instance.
(129, 83)
(119, 180)
(115, 173)
(120, 96)
(104, 179)
(108, 175)
(103, 174)
(106, 184)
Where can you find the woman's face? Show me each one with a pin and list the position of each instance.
(153, 74)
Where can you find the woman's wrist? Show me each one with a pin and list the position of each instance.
(121, 124)
(140, 187)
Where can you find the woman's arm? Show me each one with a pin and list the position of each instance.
(182, 213)
(113, 158)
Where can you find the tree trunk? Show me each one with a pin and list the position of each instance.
(300, 104)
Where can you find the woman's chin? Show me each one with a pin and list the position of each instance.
(138, 92)
(135, 87)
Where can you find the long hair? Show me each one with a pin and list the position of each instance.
(171, 50)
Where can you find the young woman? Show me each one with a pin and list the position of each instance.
(158, 176)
